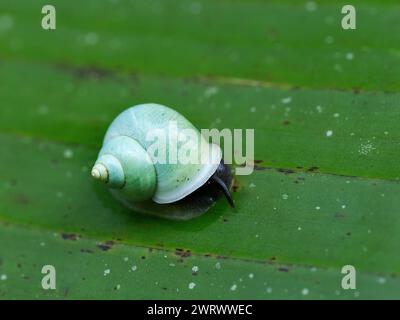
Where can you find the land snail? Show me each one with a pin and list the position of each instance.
(171, 189)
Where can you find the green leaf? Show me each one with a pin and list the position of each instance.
(325, 190)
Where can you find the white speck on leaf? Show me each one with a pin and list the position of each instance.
(91, 38)
(366, 148)
(6, 22)
(59, 194)
(251, 275)
(107, 272)
(68, 154)
(304, 292)
(191, 285)
(195, 269)
(286, 100)
(233, 287)
(337, 67)
(329, 40)
(218, 266)
(196, 8)
(285, 196)
(311, 6)
(3, 277)
(381, 280)
(134, 268)
(349, 56)
(329, 133)
(210, 91)
(43, 110)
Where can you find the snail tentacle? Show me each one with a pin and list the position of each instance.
(224, 189)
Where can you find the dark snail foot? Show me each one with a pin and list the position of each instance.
(195, 204)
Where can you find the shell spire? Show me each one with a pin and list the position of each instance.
(100, 172)
(124, 165)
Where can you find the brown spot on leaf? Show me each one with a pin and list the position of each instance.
(235, 186)
(69, 236)
(86, 72)
(87, 251)
(106, 245)
(259, 168)
(285, 171)
(22, 199)
(182, 252)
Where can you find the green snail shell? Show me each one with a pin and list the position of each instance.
(126, 166)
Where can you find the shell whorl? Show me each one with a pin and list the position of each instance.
(123, 164)
(163, 182)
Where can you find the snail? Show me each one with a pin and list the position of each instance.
(148, 175)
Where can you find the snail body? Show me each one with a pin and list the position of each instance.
(129, 165)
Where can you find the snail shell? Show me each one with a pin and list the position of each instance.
(128, 166)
